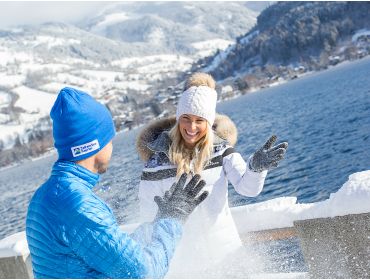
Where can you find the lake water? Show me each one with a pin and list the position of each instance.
(325, 117)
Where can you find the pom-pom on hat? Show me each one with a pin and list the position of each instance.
(81, 125)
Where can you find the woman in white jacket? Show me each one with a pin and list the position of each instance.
(198, 141)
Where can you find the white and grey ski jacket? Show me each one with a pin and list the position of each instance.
(210, 230)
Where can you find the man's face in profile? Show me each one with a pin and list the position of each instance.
(103, 158)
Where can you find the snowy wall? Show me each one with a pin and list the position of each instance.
(352, 198)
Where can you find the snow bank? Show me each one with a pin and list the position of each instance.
(352, 198)
(14, 245)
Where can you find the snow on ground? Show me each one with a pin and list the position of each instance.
(9, 132)
(102, 76)
(52, 41)
(36, 104)
(10, 81)
(74, 77)
(156, 36)
(359, 33)
(56, 87)
(11, 56)
(249, 37)
(165, 62)
(226, 89)
(34, 101)
(134, 85)
(108, 20)
(5, 99)
(209, 47)
(352, 198)
(77, 62)
(223, 54)
(49, 68)
(218, 58)
(30, 67)
(4, 118)
(56, 67)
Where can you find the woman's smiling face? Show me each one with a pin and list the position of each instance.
(192, 129)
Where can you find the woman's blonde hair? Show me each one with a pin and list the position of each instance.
(181, 156)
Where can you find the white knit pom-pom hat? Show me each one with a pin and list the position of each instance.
(199, 101)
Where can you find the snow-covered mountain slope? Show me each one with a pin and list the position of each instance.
(290, 35)
(162, 42)
(172, 26)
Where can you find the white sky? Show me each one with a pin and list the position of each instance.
(13, 13)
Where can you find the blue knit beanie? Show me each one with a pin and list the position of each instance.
(81, 125)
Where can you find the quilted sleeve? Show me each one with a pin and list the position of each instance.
(94, 235)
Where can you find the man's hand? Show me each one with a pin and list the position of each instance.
(266, 157)
(179, 202)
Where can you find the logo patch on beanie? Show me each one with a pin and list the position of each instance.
(85, 148)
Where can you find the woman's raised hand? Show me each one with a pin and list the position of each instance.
(268, 157)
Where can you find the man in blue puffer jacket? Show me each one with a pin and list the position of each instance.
(71, 232)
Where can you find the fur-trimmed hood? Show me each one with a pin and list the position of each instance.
(154, 137)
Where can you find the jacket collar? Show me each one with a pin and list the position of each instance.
(161, 143)
(73, 170)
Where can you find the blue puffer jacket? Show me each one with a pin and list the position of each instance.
(72, 233)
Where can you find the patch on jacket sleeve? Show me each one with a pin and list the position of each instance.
(214, 162)
(220, 147)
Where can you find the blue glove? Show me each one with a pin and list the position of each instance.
(268, 157)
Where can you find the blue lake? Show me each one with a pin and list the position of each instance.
(325, 117)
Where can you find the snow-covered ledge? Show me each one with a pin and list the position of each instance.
(346, 211)
(352, 198)
(15, 260)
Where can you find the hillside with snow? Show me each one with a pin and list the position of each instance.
(290, 39)
(172, 26)
(128, 56)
